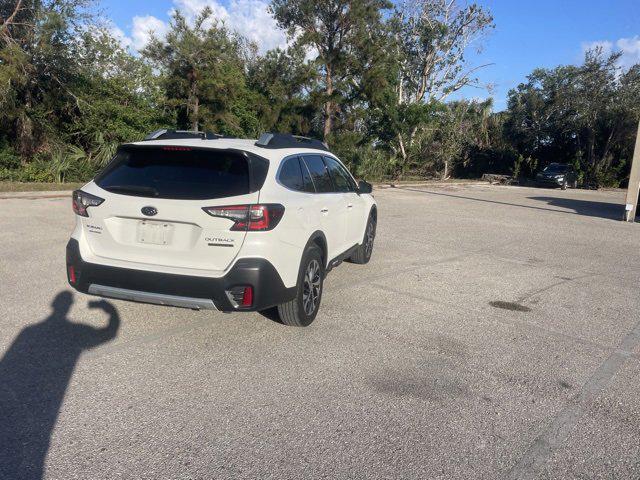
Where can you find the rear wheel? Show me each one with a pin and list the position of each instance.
(564, 185)
(363, 253)
(302, 310)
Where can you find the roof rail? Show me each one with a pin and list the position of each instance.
(165, 134)
(286, 140)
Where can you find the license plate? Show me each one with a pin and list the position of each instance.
(154, 233)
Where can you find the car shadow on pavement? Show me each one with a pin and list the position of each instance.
(34, 374)
(272, 314)
(611, 211)
(588, 208)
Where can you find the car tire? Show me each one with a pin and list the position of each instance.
(564, 185)
(363, 253)
(302, 310)
(574, 184)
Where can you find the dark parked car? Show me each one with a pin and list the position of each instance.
(558, 175)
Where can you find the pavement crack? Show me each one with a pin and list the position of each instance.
(562, 425)
(538, 291)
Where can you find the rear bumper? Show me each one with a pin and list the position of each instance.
(180, 290)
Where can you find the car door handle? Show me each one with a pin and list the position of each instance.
(350, 205)
(324, 210)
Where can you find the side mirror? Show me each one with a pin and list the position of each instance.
(364, 187)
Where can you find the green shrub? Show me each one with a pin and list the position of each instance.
(64, 164)
(38, 170)
(9, 159)
(361, 157)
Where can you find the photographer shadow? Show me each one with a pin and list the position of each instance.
(34, 375)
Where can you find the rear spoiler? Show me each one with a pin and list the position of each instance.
(165, 134)
(286, 140)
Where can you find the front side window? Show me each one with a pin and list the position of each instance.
(319, 173)
(341, 178)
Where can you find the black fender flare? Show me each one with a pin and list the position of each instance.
(318, 238)
(374, 212)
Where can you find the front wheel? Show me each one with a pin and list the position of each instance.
(363, 253)
(302, 310)
(564, 185)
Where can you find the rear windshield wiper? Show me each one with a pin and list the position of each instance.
(134, 189)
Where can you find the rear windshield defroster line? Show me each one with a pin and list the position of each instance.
(182, 173)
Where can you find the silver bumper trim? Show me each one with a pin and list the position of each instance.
(148, 297)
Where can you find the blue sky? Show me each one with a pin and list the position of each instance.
(547, 33)
(542, 33)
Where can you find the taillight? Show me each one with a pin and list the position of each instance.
(254, 218)
(83, 200)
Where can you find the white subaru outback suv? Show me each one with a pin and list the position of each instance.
(199, 221)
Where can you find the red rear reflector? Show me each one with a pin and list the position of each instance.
(72, 274)
(247, 297)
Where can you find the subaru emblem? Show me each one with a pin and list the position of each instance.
(149, 211)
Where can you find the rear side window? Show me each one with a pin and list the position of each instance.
(341, 178)
(291, 175)
(177, 173)
(319, 173)
(294, 175)
(306, 178)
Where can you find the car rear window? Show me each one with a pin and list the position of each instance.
(177, 173)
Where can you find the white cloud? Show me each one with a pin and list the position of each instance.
(119, 35)
(249, 18)
(143, 28)
(605, 45)
(191, 8)
(252, 19)
(628, 47)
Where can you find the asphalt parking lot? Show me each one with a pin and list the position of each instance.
(495, 334)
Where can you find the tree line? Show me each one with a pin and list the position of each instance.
(374, 79)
